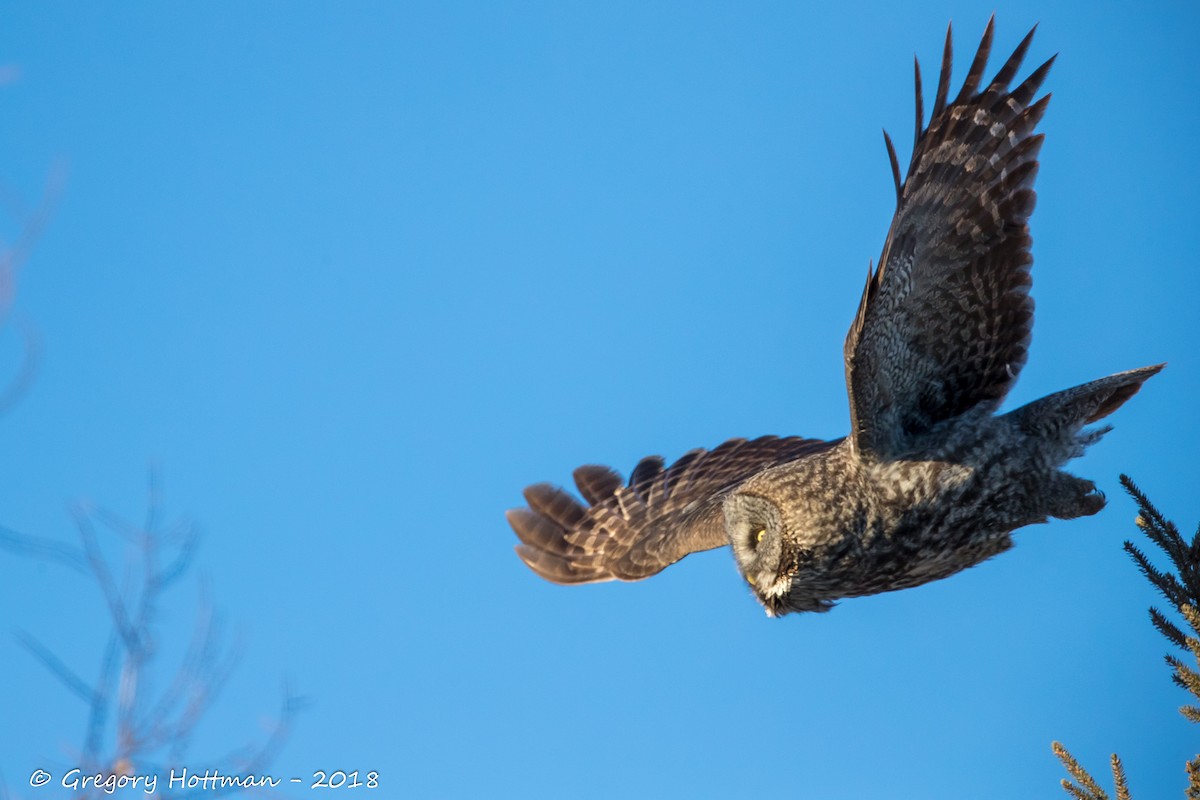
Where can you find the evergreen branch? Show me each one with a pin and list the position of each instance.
(1184, 556)
(1166, 583)
(1193, 773)
(1167, 628)
(1119, 781)
(1182, 590)
(1180, 585)
(1193, 618)
(1158, 528)
(1185, 677)
(1076, 792)
(1087, 789)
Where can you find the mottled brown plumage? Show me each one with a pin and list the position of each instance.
(631, 531)
(930, 481)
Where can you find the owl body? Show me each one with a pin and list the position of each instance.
(840, 525)
(930, 479)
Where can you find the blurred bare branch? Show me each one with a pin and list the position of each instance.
(33, 547)
(130, 726)
(30, 222)
(18, 385)
(78, 686)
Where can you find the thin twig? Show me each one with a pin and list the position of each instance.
(78, 686)
(104, 578)
(35, 547)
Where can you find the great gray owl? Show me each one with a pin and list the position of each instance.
(930, 480)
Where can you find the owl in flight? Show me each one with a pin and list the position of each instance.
(930, 480)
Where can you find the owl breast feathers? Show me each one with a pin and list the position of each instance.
(930, 479)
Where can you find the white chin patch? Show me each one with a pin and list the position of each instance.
(777, 588)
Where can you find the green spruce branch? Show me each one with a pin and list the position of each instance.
(1180, 585)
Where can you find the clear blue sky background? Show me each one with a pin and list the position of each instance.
(353, 275)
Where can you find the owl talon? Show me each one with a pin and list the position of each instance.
(1092, 502)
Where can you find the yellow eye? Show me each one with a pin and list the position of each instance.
(759, 534)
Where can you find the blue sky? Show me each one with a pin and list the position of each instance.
(352, 275)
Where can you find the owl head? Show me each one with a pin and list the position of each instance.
(769, 555)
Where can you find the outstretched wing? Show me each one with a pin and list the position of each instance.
(944, 323)
(630, 531)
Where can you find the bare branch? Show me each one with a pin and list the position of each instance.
(32, 223)
(77, 685)
(36, 547)
(189, 539)
(104, 578)
(20, 383)
(98, 714)
(148, 725)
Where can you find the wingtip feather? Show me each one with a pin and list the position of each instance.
(891, 151)
(943, 90)
(557, 569)
(975, 73)
(1009, 70)
(920, 102)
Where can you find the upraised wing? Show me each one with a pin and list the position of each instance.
(944, 322)
(629, 531)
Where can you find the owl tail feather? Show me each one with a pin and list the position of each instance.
(1066, 412)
